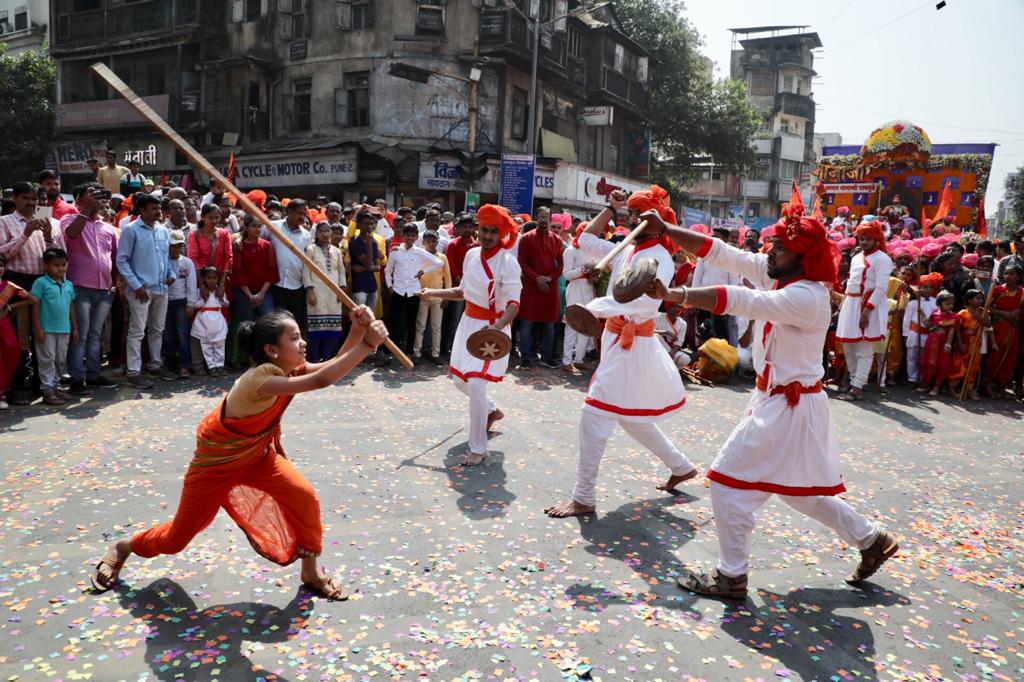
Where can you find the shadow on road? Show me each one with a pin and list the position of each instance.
(644, 535)
(803, 631)
(186, 642)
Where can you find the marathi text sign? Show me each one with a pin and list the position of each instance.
(112, 113)
(440, 173)
(515, 192)
(72, 156)
(337, 167)
(850, 187)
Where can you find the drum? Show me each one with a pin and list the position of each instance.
(583, 321)
(489, 344)
(635, 280)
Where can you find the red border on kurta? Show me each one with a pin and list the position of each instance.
(764, 486)
(633, 412)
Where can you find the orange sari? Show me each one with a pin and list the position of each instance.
(240, 466)
(970, 327)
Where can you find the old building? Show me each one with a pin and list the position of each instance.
(23, 25)
(358, 98)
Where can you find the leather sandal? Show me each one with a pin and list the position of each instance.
(881, 550)
(714, 584)
(327, 589)
(115, 573)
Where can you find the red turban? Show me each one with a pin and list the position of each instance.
(872, 230)
(258, 197)
(498, 216)
(655, 198)
(809, 238)
(933, 280)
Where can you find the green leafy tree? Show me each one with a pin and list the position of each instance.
(692, 115)
(1015, 196)
(28, 88)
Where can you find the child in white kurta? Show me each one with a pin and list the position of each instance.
(578, 291)
(916, 320)
(210, 326)
(865, 289)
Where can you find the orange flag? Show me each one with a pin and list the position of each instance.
(924, 223)
(817, 211)
(231, 168)
(794, 198)
(945, 205)
(981, 227)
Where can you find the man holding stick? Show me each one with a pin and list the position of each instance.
(636, 384)
(785, 444)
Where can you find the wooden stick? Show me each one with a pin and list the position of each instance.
(111, 79)
(975, 353)
(605, 263)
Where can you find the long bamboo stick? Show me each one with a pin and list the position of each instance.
(111, 79)
(605, 262)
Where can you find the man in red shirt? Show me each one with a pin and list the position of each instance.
(464, 233)
(540, 257)
(50, 182)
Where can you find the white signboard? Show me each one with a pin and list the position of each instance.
(333, 167)
(441, 173)
(597, 116)
(589, 188)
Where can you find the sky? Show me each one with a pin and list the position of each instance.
(957, 72)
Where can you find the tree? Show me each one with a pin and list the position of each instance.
(692, 115)
(1014, 198)
(28, 86)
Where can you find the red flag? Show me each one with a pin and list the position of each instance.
(981, 227)
(231, 168)
(817, 211)
(794, 198)
(924, 223)
(945, 205)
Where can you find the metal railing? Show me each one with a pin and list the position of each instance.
(136, 19)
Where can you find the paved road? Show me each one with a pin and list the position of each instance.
(456, 572)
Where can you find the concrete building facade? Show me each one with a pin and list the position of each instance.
(23, 25)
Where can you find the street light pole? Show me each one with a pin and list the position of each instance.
(531, 133)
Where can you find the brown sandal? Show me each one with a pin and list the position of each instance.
(115, 572)
(327, 589)
(714, 584)
(881, 550)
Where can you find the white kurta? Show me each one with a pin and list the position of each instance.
(776, 448)
(867, 286)
(578, 289)
(490, 284)
(209, 323)
(673, 334)
(641, 384)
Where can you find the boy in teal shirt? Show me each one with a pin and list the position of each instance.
(55, 324)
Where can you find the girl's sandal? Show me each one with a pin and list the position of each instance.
(327, 589)
(714, 584)
(115, 572)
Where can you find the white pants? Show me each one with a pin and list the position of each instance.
(914, 358)
(681, 358)
(213, 352)
(734, 519)
(858, 359)
(594, 431)
(480, 407)
(574, 346)
(433, 308)
(145, 320)
(52, 355)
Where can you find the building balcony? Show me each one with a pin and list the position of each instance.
(123, 23)
(755, 59)
(610, 86)
(250, 125)
(794, 105)
(509, 33)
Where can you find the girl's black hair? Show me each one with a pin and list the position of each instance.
(253, 336)
(944, 296)
(208, 208)
(971, 293)
(208, 268)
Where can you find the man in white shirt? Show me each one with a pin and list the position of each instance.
(708, 275)
(432, 221)
(176, 221)
(289, 292)
(406, 265)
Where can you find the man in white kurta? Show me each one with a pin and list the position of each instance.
(785, 444)
(491, 284)
(916, 321)
(576, 269)
(636, 383)
(864, 316)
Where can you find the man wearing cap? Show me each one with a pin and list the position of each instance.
(637, 384)
(785, 444)
(91, 245)
(864, 314)
(839, 223)
(491, 284)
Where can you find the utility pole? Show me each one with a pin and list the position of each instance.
(531, 133)
(711, 179)
(472, 107)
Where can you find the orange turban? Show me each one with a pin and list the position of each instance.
(258, 197)
(655, 198)
(579, 230)
(498, 216)
(872, 230)
(525, 217)
(933, 280)
(809, 238)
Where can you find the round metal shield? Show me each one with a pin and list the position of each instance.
(635, 280)
(582, 320)
(488, 344)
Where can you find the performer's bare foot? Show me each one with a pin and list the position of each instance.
(567, 509)
(674, 480)
(495, 416)
(474, 459)
(109, 568)
(320, 583)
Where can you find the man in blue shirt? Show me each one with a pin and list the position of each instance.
(142, 259)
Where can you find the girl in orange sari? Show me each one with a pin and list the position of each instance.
(239, 464)
(1006, 306)
(975, 330)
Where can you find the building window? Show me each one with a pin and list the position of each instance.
(784, 125)
(302, 104)
(358, 87)
(761, 85)
(787, 84)
(429, 18)
(753, 210)
(85, 5)
(253, 9)
(21, 19)
(298, 19)
(362, 14)
(575, 43)
(518, 123)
